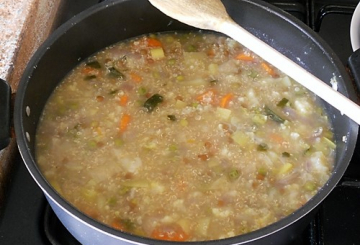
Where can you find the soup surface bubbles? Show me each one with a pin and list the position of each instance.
(183, 137)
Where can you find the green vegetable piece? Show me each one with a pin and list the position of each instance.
(191, 48)
(128, 224)
(282, 102)
(113, 92)
(113, 72)
(262, 147)
(153, 101)
(92, 144)
(262, 171)
(172, 61)
(286, 154)
(270, 113)
(171, 117)
(234, 174)
(310, 186)
(94, 64)
(213, 82)
(142, 91)
(118, 142)
(90, 77)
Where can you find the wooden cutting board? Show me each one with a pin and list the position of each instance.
(24, 25)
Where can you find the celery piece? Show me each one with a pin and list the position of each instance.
(179, 104)
(329, 142)
(310, 186)
(275, 117)
(223, 113)
(233, 174)
(184, 122)
(259, 119)
(157, 53)
(213, 69)
(285, 169)
(240, 138)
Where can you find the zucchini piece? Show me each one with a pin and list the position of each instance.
(153, 102)
(275, 117)
(93, 64)
(113, 72)
(282, 103)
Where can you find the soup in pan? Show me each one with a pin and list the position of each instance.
(183, 137)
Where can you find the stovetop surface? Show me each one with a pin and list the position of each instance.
(28, 219)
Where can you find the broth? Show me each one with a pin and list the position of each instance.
(184, 137)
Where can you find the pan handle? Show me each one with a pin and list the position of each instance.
(5, 104)
(354, 66)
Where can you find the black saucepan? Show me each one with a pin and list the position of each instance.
(115, 20)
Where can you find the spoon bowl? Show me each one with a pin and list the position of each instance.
(212, 15)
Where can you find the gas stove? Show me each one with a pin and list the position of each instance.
(28, 219)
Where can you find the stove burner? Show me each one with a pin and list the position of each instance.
(55, 232)
(346, 9)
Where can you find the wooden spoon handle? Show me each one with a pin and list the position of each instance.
(286, 65)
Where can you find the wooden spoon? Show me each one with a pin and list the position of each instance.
(212, 15)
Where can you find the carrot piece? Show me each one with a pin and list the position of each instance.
(276, 138)
(207, 97)
(116, 224)
(124, 122)
(152, 42)
(225, 100)
(124, 100)
(87, 70)
(244, 57)
(211, 52)
(268, 69)
(172, 232)
(135, 77)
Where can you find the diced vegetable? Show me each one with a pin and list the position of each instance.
(226, 100)
(152, 42)
(234, 174)
(180, 104)
(270, 113)
(157, 53)
(94, 64)
(285, 169)
(259, 119)
(329, 142)
(113, 72)
(135, 77)
(244, 57)
(262, 147)
(151, 103)
(282, 102)
(124, 100)
(223, 113)
(207, 97)
(124, 122)
(172, 232)
(213, 69)
(171, 117)
(269, 69)
(240, 138)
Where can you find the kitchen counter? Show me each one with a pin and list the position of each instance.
(24, 25)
